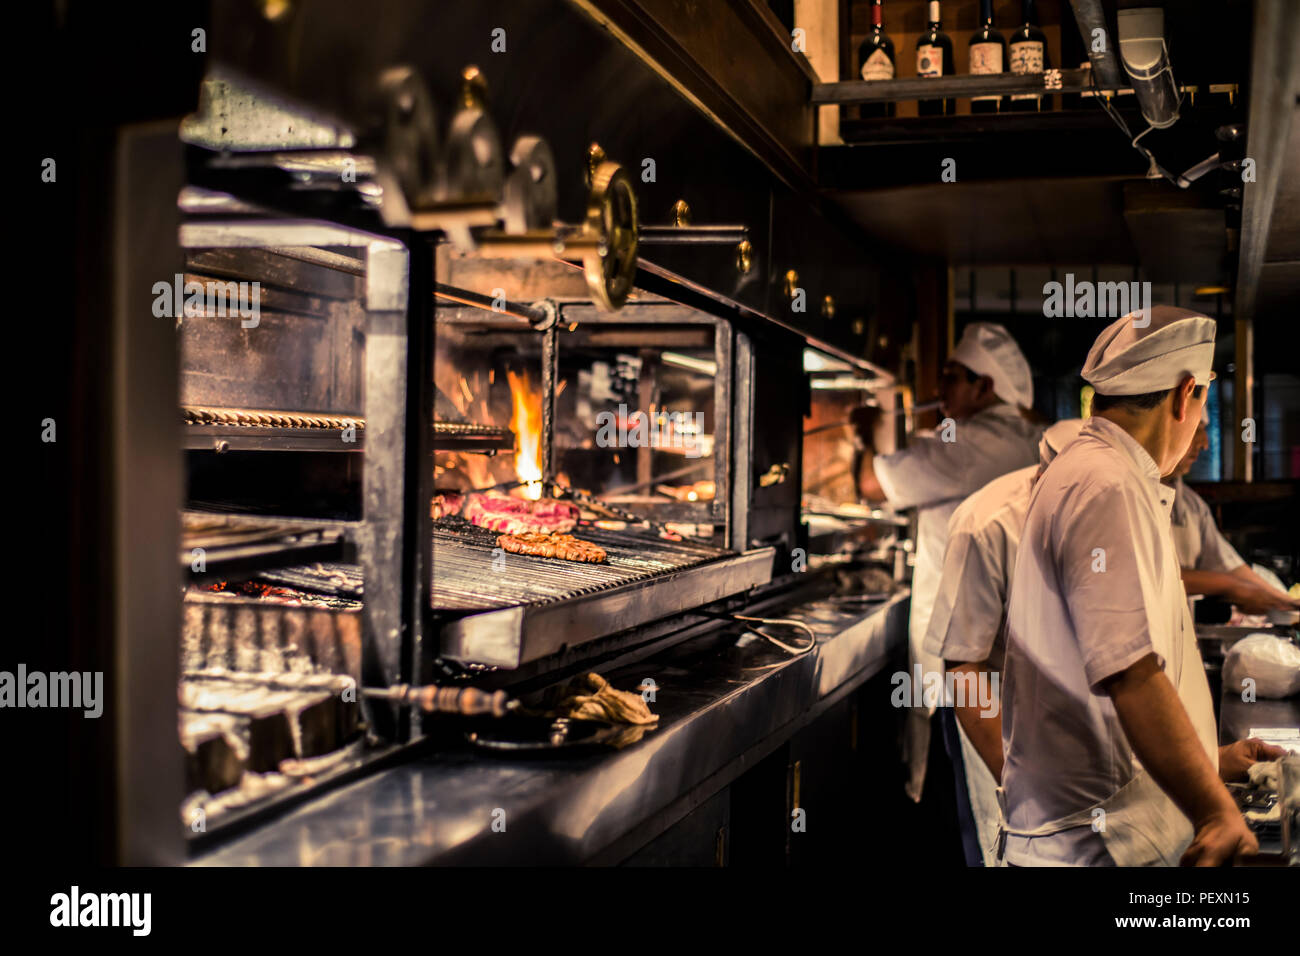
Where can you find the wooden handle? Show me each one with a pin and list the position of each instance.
(468, 701)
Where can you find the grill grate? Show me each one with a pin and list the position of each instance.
(468, 576)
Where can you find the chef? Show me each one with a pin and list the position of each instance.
(1109, 743)
(965, 631)
(1210, 564)
(983, 388)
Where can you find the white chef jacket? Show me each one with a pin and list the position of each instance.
(934, 476)
(966, 624)
(970, 608)
(1071, 625)
(1200, 544)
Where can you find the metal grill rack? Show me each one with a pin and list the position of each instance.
(237, 429)
(511, 609)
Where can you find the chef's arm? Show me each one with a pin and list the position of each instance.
(1242, 586)
(985, 732)
(1244, 572)
(1161, 735)
(864, 421)
(868, 484)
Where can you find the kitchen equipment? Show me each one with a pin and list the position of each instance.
(1289, 795)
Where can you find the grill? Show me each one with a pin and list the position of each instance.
(511, 609)
(469, 576)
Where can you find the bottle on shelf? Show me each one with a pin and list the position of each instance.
(1028, 54)
(876, 60)
(934, 58)
(988, 54)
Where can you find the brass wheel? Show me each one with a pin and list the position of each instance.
(612, 218)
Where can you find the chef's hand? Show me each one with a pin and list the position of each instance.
(1236, 758)
(1253, 599)
(1220, 840)
(863, 419)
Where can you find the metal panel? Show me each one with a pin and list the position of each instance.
(145, 499)
(742, 451)
(385, 408)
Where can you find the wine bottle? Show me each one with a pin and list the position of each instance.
(876, 60)
(934, 58)
(988, 54)
(1028, 54)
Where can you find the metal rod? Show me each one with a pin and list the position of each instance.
(1199, 170)
(679, 473)
(550, 372)
(537, 245)
(691, 235)
(498, 306)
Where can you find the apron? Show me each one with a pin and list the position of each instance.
(1139, 824)
(1187, 545)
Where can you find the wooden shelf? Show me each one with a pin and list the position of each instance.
(853, 92)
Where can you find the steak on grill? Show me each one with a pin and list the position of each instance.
(446, 503)
(563, 546)
(518, 515)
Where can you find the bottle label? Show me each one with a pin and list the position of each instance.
(985, 58)
(878, 66)
(929, 60)
(1027, 57)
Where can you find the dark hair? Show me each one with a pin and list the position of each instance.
(1135, 403)
(950, 371)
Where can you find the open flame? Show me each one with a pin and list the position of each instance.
(526, 423)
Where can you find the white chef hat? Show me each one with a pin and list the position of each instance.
(1150, 352)
(1056, 438)
(986, 348)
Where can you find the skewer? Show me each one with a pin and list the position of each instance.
(467, 701)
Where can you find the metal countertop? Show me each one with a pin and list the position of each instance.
(719, 709)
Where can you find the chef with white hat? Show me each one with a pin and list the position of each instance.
(965, 631)
(983, 388)
(1211, 565)
(1109, 742)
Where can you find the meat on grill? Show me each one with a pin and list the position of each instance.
(563, 546)
(446, 503)
(518, 515)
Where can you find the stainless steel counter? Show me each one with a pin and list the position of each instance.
(721, 709)
(1237, 716)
